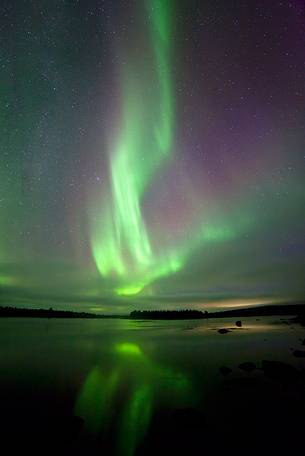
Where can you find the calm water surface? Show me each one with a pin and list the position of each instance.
(122, 378)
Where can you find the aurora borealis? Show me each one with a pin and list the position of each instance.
(140, 150)
(152, 154)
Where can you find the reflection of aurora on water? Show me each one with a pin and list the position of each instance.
(137, 379)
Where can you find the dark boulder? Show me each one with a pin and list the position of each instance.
(223, 331)
(188, 418)
(224, 370)
(241, 382)
(282, 372)
(299, 353)
(248, 366)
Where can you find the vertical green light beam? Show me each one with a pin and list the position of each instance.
(120, 240)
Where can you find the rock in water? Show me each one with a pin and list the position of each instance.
(223, 331)
(224, 370)
(238, 323)
(188, 418)
(283, 372)
(248, 366)
(299, 353)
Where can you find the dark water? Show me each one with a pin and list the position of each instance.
(141, 387)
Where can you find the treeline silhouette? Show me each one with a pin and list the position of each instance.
(297, 310)
(270, 310)
(168, 314)
(46, 313)
(260, 311)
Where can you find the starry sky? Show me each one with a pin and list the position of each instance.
(152, 154)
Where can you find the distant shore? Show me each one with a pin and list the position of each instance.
(270, 310)
(297, 310)
(48, 313)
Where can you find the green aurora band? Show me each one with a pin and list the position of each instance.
(121, 243)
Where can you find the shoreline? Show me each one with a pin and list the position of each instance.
(261, 311)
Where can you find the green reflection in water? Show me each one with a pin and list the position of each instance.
(135, 420)
(123, 398)
(128, 349)
(95, 400)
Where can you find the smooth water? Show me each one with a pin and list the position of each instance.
(127, 379)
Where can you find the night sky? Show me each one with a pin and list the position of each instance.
(152, 153)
